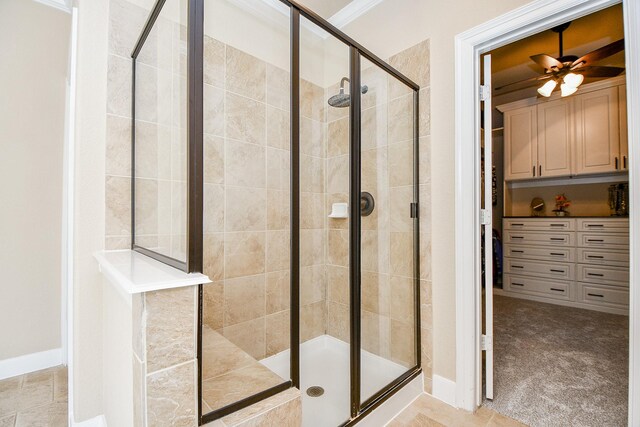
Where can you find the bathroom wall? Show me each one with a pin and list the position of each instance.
(32, 128)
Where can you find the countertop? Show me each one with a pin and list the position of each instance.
(133, 272)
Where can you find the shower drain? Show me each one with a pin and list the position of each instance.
(315, 391)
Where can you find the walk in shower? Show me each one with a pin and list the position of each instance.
(287, 171)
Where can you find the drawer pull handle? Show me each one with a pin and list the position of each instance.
(517, 225)
(517, 237)
(516, 284)
(558, 225)
(517, 266)
(595, 274)
(595, 225)
(558, 239)
(556, 270)
(595, 256)
(557, 290)
(595, 240)
(556, 254)
(596, 295)
(515, 251)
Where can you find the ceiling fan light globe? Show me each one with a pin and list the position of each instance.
(573, 79)
(547, 88)
(567, 90)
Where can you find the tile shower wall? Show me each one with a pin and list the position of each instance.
(247, 180)
(414, 62)
(386, 237)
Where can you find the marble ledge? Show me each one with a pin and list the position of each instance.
(131, 272)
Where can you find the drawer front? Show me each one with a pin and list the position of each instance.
(539, 224)
(601, 295)
(603, 240)
(610, 225)
(533, 286)
(603, 257)
(540, 238)
(540, 253)
(551, 270)
(616, 276)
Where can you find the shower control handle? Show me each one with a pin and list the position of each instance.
(367, 203)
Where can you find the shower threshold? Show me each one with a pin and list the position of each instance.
(324, 362)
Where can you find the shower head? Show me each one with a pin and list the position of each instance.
(342, 99)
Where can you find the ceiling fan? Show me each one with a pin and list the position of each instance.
(569, 71)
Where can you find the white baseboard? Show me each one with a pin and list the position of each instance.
(30, 363)
(444, 389)
(99, 421)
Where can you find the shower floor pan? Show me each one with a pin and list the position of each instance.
(324, 362)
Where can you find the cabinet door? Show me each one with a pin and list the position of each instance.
(520, 143)
(624, 143)
(597, 132)
(554, 138)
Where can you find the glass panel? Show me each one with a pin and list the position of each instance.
(246, 322)
(324, 233)
(388, 297)
(161, 136)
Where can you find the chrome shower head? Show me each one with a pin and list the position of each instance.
(343, 99)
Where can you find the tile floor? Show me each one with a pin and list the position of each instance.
(39, 399)
(427, 411)
(35, 399)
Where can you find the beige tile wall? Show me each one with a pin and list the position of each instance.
(164, 357)
(247, 202)
(387, 243)
(414, 62)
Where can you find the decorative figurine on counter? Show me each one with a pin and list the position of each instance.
(562, 203)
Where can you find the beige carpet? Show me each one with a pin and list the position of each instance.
(559, 366)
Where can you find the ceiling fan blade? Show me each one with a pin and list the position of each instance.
(546, 61)
(595, 71)
(521, 84)
(598, 54)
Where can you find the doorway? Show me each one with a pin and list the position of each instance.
(558, 247)
(506, 29)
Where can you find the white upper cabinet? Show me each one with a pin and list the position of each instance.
(555, 134)
(520, 155)
(582, 134)
(597, 132)
(624, 142)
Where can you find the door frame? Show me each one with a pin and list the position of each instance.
(515, 25)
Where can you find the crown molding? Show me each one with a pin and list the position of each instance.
(63, 5)
(352, 11)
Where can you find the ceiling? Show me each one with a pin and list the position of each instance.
(511, 63)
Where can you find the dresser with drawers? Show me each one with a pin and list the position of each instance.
(580, 262)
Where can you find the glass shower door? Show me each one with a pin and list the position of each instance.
(388, 315)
